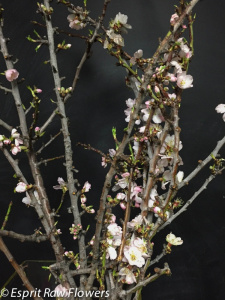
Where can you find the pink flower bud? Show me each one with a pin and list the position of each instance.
(11, 74)
(157, 210)
(7, 142)
(38, 91)
(156, 89)
(122, 205)
(36, 129)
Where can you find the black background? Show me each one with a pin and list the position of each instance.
(96, 106)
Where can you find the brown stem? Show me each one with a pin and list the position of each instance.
(126, 218)
(19, 270)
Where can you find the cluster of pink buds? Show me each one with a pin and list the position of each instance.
(88, 209)
(15, 141)
(75, 230)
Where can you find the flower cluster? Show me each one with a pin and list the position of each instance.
(14, 141)
(77, 19)
(117, 27)
(83, 199)
(75, 230)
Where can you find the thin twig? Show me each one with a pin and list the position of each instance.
(19, 270)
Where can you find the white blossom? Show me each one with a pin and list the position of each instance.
(128, 274)
(184, 81)
(21, 187)
(173, 240)
(134, 257)
(221, 110)
(112, 254)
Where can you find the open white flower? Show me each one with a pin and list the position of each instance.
(117, 38)
(111, 253)
(138, 54)
(27, 200)
(221, 110)
(137, 221)
(184, 81)
(121, 19)
(134, 257)
(128, 274)
(173, 240)
(21, 187)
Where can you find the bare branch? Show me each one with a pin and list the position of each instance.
(24, 238)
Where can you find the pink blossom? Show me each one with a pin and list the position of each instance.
(38, 91)
(7, 142)
(185, 50)
(156, 90)
(112, 218)
(11, 74)
(120, 196)
(157, 210)
(21, 187)
(86, 187)
(137, 221)
(61, 184)
(112, 152)
(178, 68)
(75, 23)
(18, 142)
(130, 104)
(83, 199)
(36, 129)
(184, 81)
(104, 163)
(171, 77)
(15, 150)
(122, 183)
(173, 19)
(61, 291)
(128, 274)
(15, 134)
(115, 230)
(122, 205)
